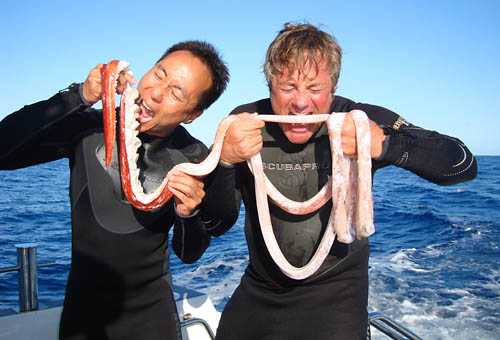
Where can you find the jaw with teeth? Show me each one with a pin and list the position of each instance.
(133, 113)
(132, 116)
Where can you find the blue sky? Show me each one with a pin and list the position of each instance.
(436, 63)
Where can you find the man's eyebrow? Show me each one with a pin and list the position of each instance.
(162, 70)
(288, 81)
(316, 84)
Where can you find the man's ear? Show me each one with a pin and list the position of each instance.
(192, 116)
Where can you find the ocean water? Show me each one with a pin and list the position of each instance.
(435, 263)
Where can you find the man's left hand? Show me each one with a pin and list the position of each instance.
(188, 191)
(349, 146)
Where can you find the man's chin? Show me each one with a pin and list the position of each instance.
(143, 128)
(145, 124)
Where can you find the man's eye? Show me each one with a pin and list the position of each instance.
(177, 95)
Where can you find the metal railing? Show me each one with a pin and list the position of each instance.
(189, 320)
(27, 269)
(391, 328)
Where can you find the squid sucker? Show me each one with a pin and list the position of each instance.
(349, 186)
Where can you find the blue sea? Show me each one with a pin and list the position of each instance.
(435, 263)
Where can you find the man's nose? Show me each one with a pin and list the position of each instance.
(300, 101)
(157, 95)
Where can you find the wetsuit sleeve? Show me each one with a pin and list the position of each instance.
(438, 158)
(192, 234)
(44, 131)
(222, 202)
(224, 193)
(435, 157)
(190, 239)
(217, 214)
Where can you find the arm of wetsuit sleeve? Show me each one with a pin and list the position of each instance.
(438, 158)
(222, 202)
(39, 132)
(190, 240)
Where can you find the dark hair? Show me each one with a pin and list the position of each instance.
(210, 57)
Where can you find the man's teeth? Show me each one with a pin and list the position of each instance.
(299, 125)
(145, 114)
(146, 106)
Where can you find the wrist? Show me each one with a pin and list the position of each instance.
(87, 98)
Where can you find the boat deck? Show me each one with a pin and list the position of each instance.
(196, 311)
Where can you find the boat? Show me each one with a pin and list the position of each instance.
(197, 314)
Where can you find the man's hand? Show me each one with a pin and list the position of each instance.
(349, 146)
(188, 191)
(92, 86)
(243, 139)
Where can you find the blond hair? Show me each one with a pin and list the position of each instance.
(299, 44)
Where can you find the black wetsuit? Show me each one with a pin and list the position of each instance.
(332, 303)
(119, 285)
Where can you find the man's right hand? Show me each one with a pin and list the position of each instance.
(91, 89)
(243, 139)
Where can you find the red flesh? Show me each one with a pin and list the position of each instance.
(108, 86)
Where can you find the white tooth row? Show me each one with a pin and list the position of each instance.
(132, 144)
(146, 106)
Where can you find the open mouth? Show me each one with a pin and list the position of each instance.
(145, 113)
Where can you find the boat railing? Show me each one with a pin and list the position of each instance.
(27, 269)
(189, 320)
(391, 328)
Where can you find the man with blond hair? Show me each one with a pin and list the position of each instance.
(302, 69)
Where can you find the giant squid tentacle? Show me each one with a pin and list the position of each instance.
(129, 143)
(342, 186)
(270, 239)
(364, 212)
(339, 181)
(349, 185)
(109, 77)
(294, 207)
